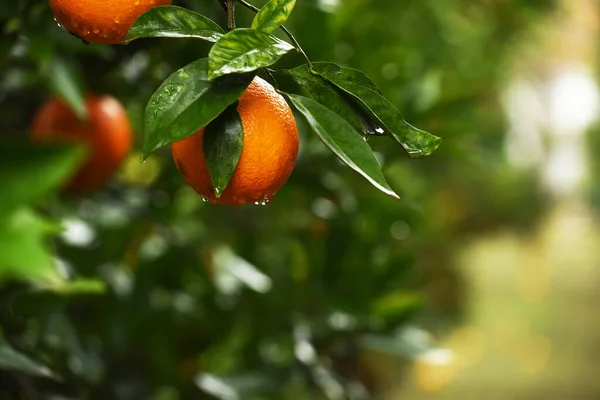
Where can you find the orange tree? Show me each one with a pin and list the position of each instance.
(146, 291)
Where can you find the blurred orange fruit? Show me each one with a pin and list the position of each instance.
(101, 21)
(268, 156)
(107, 133)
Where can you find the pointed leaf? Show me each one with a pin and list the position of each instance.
(23, 253)
(66, 82)
(29, 172)
(328, 95)
(245, 50)
(339, 136)
(416, 142)
(344, 73)
(12, 360)
(174, 22)
(273, 14)
(186, 102)
(223, 142)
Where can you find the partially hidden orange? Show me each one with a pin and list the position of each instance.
(269, 153)
(101, 21)
(107, 134)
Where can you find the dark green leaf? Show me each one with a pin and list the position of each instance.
(174, 22)
(331, 70)
(322, 91)
(12, 360)
(40, 170)
(341, 138)
(23, 254)
(186, 102)
(415, 141)
(223, 143)
(65, 81)
(245, 50)
(273, 14)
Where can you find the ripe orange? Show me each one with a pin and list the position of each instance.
(107, 132)
(268, 156)
(101, 21)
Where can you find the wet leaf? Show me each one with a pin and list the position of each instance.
(325, 93)
(66, 82)
(245, 50)
(41, 169)
(223, 142)
(340, 137)
(416, 142)
(273, 14)
(186, 102)
(174, 22)
(12, 360)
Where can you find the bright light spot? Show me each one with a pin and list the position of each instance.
(78, 233)
(216, 387)
(305, 352)
(328, 5)
(565, 169)
(324, 208)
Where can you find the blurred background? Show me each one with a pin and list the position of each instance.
(482, 282)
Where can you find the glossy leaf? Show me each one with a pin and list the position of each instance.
(245, 50)
(40, 170)
(223, 142)
(65, 81)
(174, 22)
(416, 142)
(332, 70)
(273, 14)
(12, 360)
(186, 102)
(325, 93)
(23, 253)
(340, 137)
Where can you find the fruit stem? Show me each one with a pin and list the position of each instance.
(287, 32)
(231, 14)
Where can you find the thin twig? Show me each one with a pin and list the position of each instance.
(231, 14)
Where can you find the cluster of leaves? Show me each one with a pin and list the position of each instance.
(343, 106)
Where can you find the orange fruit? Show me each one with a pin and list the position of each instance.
(101, 21)
(268, 156)
(107, 133)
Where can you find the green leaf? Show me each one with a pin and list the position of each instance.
(340, 137)
(273, 14)
(325, 93)
(23, 254)
(186, 102)
(416, 142)
(223, 143)
(29, 172)
(12, 360)
(65, 81)
(245, 50)
(174, 22)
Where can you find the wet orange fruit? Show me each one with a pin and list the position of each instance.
(101, 21)
(107, 134)
(268, 156)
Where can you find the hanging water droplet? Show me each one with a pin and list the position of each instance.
(204, 199)
(57, 22)
(379, 131)
(366, 138)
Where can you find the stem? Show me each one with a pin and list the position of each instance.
(230, 15)
(270, 74)
(287, 32)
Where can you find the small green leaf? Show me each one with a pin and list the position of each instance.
(340, 137)
(23, 254)
(174, 22)
(325, 93)
(29, 172)
(65, 81)
(186, 102)
(245, 50)
(223, 143)
(273, 14)
(416, 142)
(12, 360)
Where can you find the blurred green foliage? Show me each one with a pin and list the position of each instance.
(172, 298)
